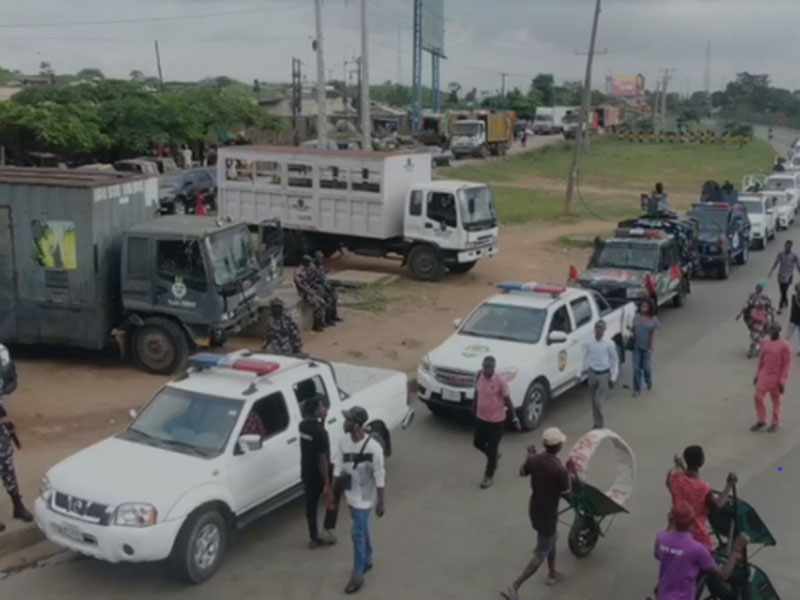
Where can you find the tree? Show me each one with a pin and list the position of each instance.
(45, 68)
(136, 75)
(453, 89)
(471, 96)
(90, 74)
(543, 83)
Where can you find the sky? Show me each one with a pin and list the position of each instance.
(249, 39)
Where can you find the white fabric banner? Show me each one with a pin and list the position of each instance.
(581, 456)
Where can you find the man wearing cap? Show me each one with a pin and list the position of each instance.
(682, 559)
(491, 406)
(358, 469)
(549, 479)
(601, 364)
(305, 280)
(283, 334)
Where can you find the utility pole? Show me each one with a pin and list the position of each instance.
(366, 119)
(322, 117)
(158, 64)
(503, 84)
(416, 70)
(656, 101)
(399, 55)
(667, 79)
(297, 98)
(707, 73)
(587, 95)
(360, 97)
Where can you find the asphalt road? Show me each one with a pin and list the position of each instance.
(443, 538)
(782, 138)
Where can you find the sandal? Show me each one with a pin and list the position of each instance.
(551, 581)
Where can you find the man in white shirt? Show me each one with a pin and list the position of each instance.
(601, 364)
(359, 459)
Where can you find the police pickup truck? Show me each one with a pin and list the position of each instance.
(724, 236)
(536, 333)
(188, 470)
(639, 264)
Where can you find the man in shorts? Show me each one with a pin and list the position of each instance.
(549, 479)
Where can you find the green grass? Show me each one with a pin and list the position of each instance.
(630, 165)
(520, 205)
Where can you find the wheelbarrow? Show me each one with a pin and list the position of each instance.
(748, 582)
(595, 510)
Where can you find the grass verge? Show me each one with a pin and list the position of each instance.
(520, 205)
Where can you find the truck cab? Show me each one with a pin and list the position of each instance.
(451, 224)
(469, 138)
(189, 282)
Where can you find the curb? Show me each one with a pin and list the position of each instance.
(19, 539)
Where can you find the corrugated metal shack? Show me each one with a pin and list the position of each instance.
(60, 235)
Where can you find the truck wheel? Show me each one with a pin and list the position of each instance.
(724, 270)
(425, 263)
(460, 268)
(179, 206)
(484, 153)
(200, 546)
(532, 410)
(160, 346)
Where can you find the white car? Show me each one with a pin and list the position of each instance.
(784, 211)
(793, 163)
(788, 182)
(184, 474)
(535, 332)
(761, 213)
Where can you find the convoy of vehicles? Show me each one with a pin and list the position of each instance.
(184, 475)
(724, 236)
(104, 269)
(762, 216)
(639, 264)
(382, 205)
(485, 133)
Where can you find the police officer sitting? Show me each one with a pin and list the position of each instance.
(283, 334)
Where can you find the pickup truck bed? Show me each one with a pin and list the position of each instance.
(370, 388)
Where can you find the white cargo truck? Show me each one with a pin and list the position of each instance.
(383, 205)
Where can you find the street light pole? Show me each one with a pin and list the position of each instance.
(366, 119)
(322, 117)
(587, 96)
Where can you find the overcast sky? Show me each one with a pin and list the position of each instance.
(249, 39)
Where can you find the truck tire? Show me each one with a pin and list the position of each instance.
(425, 263)
(533, 406)
(200, 547)
(460, 268)
(484, 152)
(160, 346)
(724, 270)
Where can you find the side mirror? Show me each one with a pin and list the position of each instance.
(457, 323)
(556, 337)
(132, 413)
(250, 443)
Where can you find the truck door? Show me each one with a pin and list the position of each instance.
(581, 309)
(269, 251)
(258, 475)
(182, 280)
(137, 274)
(8, 287)
(559, 358)
(441, 219)
(326, 390)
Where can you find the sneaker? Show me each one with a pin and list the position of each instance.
(757, 427)
(772, 429)
(354, 585)
(314, 544)
(486, 483)
(328, 537)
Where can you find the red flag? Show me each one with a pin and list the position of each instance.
(650, 284)
(200, 206)
(573, 273)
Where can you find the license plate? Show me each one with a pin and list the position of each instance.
(451, 395)
(69, 531)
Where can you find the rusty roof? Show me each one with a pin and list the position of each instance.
(66, 178)
(315, 151)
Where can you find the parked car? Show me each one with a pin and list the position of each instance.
(763, 223)
(177, 191)
(724, 236)
(788, 182)
(186, 473)
(136, 165)
(536, 332)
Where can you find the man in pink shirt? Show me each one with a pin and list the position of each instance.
(774, 363)
(492, 400)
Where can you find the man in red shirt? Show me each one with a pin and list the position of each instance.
(774, 363)
(686, 485)
(492, 400)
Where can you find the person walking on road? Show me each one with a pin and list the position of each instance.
(682, 559)
(549, 479)
(774, 364)
(491, 408)
(794, 317)
(601, 363)
(685, 485)
(8, 439)
(315, 471)
(645, 326)
(358, 470)
(786, 262)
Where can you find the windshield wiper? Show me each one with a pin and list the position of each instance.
(184, 446)
(146, 436)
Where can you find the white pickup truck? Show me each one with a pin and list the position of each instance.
(536, 332)
(183, 475)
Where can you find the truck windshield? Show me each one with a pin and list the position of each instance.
(780, 183)
(754, 207)
(185, 422)
(628, 256)
(466, 129)
(714, 221)
(232, 255)
(477, 207)
(505, 322)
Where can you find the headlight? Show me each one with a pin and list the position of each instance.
(227, 316)
(636, 293)
(508, 374)
(45, 489)
(425, 364)
(135, 514)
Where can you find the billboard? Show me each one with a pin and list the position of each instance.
(627, 86)
(433, 26)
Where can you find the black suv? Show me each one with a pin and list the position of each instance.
(177, 191)
(724, 236)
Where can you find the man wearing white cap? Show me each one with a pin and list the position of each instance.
(549, 479)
